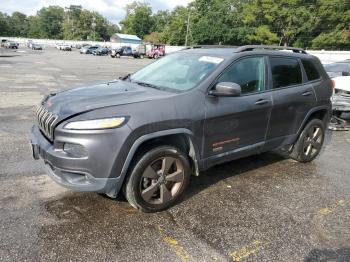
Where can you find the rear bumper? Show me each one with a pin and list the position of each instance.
(72, 173)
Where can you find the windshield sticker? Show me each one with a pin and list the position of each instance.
(211, 59)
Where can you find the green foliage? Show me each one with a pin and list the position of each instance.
(138, 19)
(56, 23)
(319, 24)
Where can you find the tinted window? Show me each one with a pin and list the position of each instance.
(285, 72)
(310, 69)
(249, 73)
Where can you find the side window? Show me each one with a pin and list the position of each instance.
(285, 72)
(310, 69)
(249, 73)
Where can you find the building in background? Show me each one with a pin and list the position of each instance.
(125, 39)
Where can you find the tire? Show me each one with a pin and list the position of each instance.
(309, 143)
(141, 56)
(117, 55)
(147, 189)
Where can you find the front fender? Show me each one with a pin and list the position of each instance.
(139, 141)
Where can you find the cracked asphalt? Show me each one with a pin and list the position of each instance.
(260, 208)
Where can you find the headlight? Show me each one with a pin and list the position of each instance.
(96, 124)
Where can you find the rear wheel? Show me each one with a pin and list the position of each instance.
(310, 142)
(158, 179)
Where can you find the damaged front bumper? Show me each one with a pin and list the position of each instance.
(341, 101)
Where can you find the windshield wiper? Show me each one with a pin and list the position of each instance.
(146, 84)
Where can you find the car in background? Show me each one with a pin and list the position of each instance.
(30, 43)
(88, 49)
(100, 51)
(11, 45)
(156, 51)
(127, 51)
(340, 75)
(121, 51)
(3, 42)
(65, 47)
(36, 46)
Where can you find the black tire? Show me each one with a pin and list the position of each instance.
(309, 143)
(148, 189)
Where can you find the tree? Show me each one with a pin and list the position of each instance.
(138, 19)
(19, 24)
(4, 24)
(50, 22)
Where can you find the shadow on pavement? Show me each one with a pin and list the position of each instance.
(327, 255)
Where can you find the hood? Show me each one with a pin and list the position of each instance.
(83, 99)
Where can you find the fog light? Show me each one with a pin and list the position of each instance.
(75, 150)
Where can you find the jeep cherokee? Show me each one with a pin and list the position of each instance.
(146, 133)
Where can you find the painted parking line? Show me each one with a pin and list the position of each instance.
(174, 244)
(247, 251)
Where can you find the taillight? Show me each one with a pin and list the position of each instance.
(332, 83)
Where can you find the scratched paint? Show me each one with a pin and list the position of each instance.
(247, 251)
(174, 244)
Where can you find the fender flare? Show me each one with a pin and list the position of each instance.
(313, 110)
(144, 138)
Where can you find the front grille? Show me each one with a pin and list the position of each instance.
(46, 121)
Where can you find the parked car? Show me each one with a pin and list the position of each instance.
(88, 49)
(126, 51)
(100, 51)
(65, 47)
(149, 131)
(3, 42)
(36, 46)
(139, 51)
(156, 51)
(30, 43)
(11, 45)
(340, 74)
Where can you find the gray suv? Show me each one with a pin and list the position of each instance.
(146, 133)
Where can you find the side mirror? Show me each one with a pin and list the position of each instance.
(226, 89)
(344, 73)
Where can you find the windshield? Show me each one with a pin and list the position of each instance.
(177, 72)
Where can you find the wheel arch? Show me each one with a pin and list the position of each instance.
(180, 137)
(321, 112)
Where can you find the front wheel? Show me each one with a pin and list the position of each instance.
(310, 142)
(157, 179)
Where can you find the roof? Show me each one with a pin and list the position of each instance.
(129, 37)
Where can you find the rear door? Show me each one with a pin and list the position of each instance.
(238, 124)
(292, 97)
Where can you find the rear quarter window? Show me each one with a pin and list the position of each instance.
(310, 70)
(285, 72)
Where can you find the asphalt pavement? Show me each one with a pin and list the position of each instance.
(260, 208)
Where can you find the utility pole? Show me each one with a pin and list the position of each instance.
(94, 26)
(188, 26)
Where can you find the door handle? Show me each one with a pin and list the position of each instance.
(307, 93)
(261, 102)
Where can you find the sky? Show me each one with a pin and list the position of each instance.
(113, 10)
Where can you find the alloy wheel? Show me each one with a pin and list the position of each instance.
(162, 180)
(313, 141)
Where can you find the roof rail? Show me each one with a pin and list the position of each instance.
(270, 47)
(212, 46)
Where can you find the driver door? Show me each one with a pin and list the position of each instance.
(235, 126)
